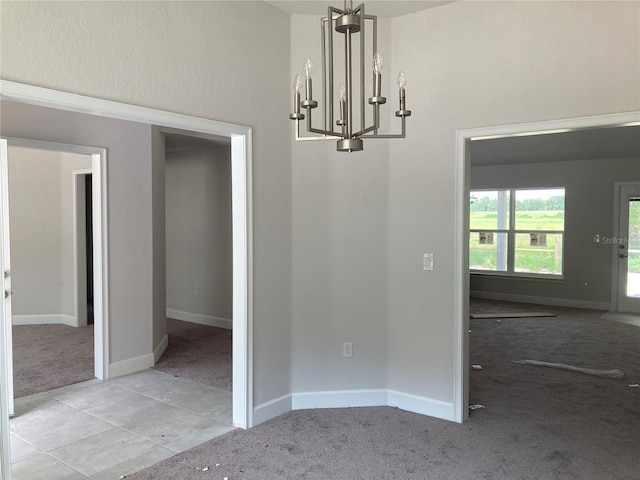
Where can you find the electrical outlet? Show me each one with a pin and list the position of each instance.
(196, 291)
(427, 261)
(347, 350)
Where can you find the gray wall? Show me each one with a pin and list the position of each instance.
(199, 237)
(129, 224)
(42, 241)
(159, 241)
(340, 277)
(338, 238)
(198, 58)
(589, 191)
(470, 65)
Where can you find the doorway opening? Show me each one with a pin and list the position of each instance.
(53, 345)
(83, 238)
(241, 147)
(60, 157)
(464, 145)
(626, 249)
(199, 259)
(88, 241)
(241, 153)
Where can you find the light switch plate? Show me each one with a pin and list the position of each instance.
(427, 261)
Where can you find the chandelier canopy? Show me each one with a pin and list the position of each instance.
(351, 23)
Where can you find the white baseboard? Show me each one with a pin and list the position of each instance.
(43, 320)
(339, 399)
(354, 398)
(271, 409)
(422, 405)
(553, 301)
(201, 319)
(160, 348)
(622, 317)
(130, 365)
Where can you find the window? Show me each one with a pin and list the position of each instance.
(517, 231)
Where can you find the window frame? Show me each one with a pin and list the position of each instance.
(511, 233)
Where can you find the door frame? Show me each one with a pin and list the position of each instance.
(100, 241)
(461, 225)
(242, 224)
(615, 268)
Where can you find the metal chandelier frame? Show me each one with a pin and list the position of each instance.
(347, 21)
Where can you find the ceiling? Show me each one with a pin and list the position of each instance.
(381, 8)
(588, 144)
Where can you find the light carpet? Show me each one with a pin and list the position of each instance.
(537, 423)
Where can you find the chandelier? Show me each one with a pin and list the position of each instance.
(348, 129)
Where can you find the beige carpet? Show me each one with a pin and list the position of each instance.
(537, 423)
(199, 353)
(50, 356)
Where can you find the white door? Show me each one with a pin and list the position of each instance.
(627, 249)
(5, 275)
(6, 354)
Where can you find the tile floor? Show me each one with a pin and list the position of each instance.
(105, 430)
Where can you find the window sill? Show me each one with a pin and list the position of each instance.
(519, 276)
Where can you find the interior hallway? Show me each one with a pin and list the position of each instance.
(110, 429)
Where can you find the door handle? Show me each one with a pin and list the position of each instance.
(622, 255)
(7, 293)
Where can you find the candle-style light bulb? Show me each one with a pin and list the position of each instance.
(377, 74)
(297, 87)
(308, 68)
(402, 80)
(377, 63)
(342, 93)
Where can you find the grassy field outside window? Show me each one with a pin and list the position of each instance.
(517, 231)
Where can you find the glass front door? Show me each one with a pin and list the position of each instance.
(627, 253)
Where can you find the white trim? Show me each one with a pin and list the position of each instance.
(462, 177)
(6, 277)
(101, 297)
(160, 348)
(45, 319)
(271, 409)
(200, 319)
(461, 283)
(241, 160)
(354, 398)
(423, 405)
(6, 384)
(565, 125)
(98, 107)
(131, 365)
(242, 228)
(552, 301)
(339, 399)
(621, 317)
